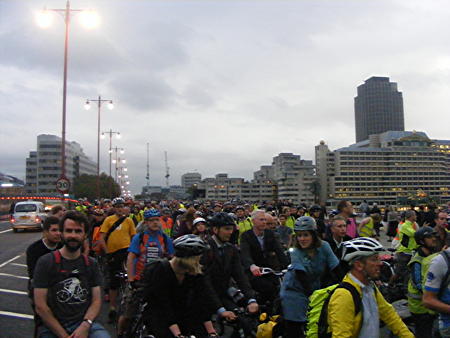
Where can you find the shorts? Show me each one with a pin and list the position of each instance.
(115, 263)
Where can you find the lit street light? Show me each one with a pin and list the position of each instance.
(87, 105)
(44, 19)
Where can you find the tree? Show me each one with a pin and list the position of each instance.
(314, 188)
(86, 186)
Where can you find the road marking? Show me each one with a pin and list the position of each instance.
(9, 261)
(1, 232)
(14, 314)
(14, 291)
(18, 264)
(9, 275)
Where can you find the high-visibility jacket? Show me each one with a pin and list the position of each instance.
(368, 229)
(407, 242)
(415, 304)
(137, 218)
(244, 225)
(342, 321)
(290, 222)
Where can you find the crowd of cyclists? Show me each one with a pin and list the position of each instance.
(194, 268)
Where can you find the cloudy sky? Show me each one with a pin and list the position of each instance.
(221, 85)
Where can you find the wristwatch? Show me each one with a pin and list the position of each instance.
(88, 321)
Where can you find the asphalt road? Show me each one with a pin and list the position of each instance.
(16, 318)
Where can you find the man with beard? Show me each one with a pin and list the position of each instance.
(67, 286)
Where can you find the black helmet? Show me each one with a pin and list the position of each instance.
(423, 233)
(315, 208)
(221, 219)
(189, 245)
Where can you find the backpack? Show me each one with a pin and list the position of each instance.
(96, 238)
(269, 327)
(317, 326)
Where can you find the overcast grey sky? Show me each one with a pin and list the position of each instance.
(222, 85)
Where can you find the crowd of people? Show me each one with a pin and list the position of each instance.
(195, 264)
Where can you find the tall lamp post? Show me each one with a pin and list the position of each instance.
(87, 105)
(44, 19)
(110, 133)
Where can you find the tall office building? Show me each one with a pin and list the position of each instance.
(378, 108)
(43, 166)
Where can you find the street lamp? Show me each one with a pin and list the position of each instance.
(87, 105)
(111, 133)
(44, 20)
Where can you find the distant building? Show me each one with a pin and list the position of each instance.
(394, 167)
(378, 108)
(190, 179)
(43, 166)
(10, 185)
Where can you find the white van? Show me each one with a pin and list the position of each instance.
(28, 215)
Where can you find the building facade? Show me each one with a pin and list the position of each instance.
(378, 108)
(43, 166)
(190, 179)
(394, 167)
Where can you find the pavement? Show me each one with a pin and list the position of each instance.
(16, 316)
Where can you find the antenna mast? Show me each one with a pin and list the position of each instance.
(148, 169)
(167, 169)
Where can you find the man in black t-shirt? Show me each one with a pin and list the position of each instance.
(67, 286)
(50, 241)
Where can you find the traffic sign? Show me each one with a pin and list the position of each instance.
(63, 185)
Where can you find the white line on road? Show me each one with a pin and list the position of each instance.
(18, 315)
(1, 232)
(9, 275)
(9, 261)
(18, 264)
(14, 291)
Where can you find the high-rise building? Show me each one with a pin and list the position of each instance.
(190, 179)
(43, 166)
(378, 108)
(394, 167)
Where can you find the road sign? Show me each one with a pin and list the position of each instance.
(63, 185)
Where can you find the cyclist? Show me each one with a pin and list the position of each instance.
(362, 256)
(441, 221)
(166, 221)
(145, 247)
(261, 248)
(178, 296)
(244, 223)
(316, 213)
(136, 215)
(367, 227)
(116, 231)
(406, 247)
(436, 294)
(426, 238)
(222, 265)
(345, 209)
(199, 228)
(310, 258)
(67, 286)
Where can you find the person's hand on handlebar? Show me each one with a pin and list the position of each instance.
(228, 315)
(256, 270)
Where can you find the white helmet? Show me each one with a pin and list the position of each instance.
(361, 247)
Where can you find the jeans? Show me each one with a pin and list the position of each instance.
(96, 331)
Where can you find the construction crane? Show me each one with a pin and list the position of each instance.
(148, 169)
(167, 169)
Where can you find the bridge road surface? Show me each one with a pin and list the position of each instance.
(16, 316)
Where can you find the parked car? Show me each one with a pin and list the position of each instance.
(28, 215)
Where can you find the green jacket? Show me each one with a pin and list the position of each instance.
(290, 222)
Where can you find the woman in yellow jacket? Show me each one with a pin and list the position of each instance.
(362, 255)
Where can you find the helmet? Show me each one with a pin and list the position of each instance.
(423, 233)
(118, 200)
(189, 245)
(198, 220)
(305, 223)
(315, 208)
(221, 219)
(361, 247)
(149, 213)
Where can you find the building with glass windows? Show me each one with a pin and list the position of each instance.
(394, 167)
(378, 108)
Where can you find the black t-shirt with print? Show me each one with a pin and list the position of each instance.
(69, 289)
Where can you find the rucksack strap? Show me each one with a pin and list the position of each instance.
(58, 257)
(355, 294)
(114, 227)
(446, 279)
